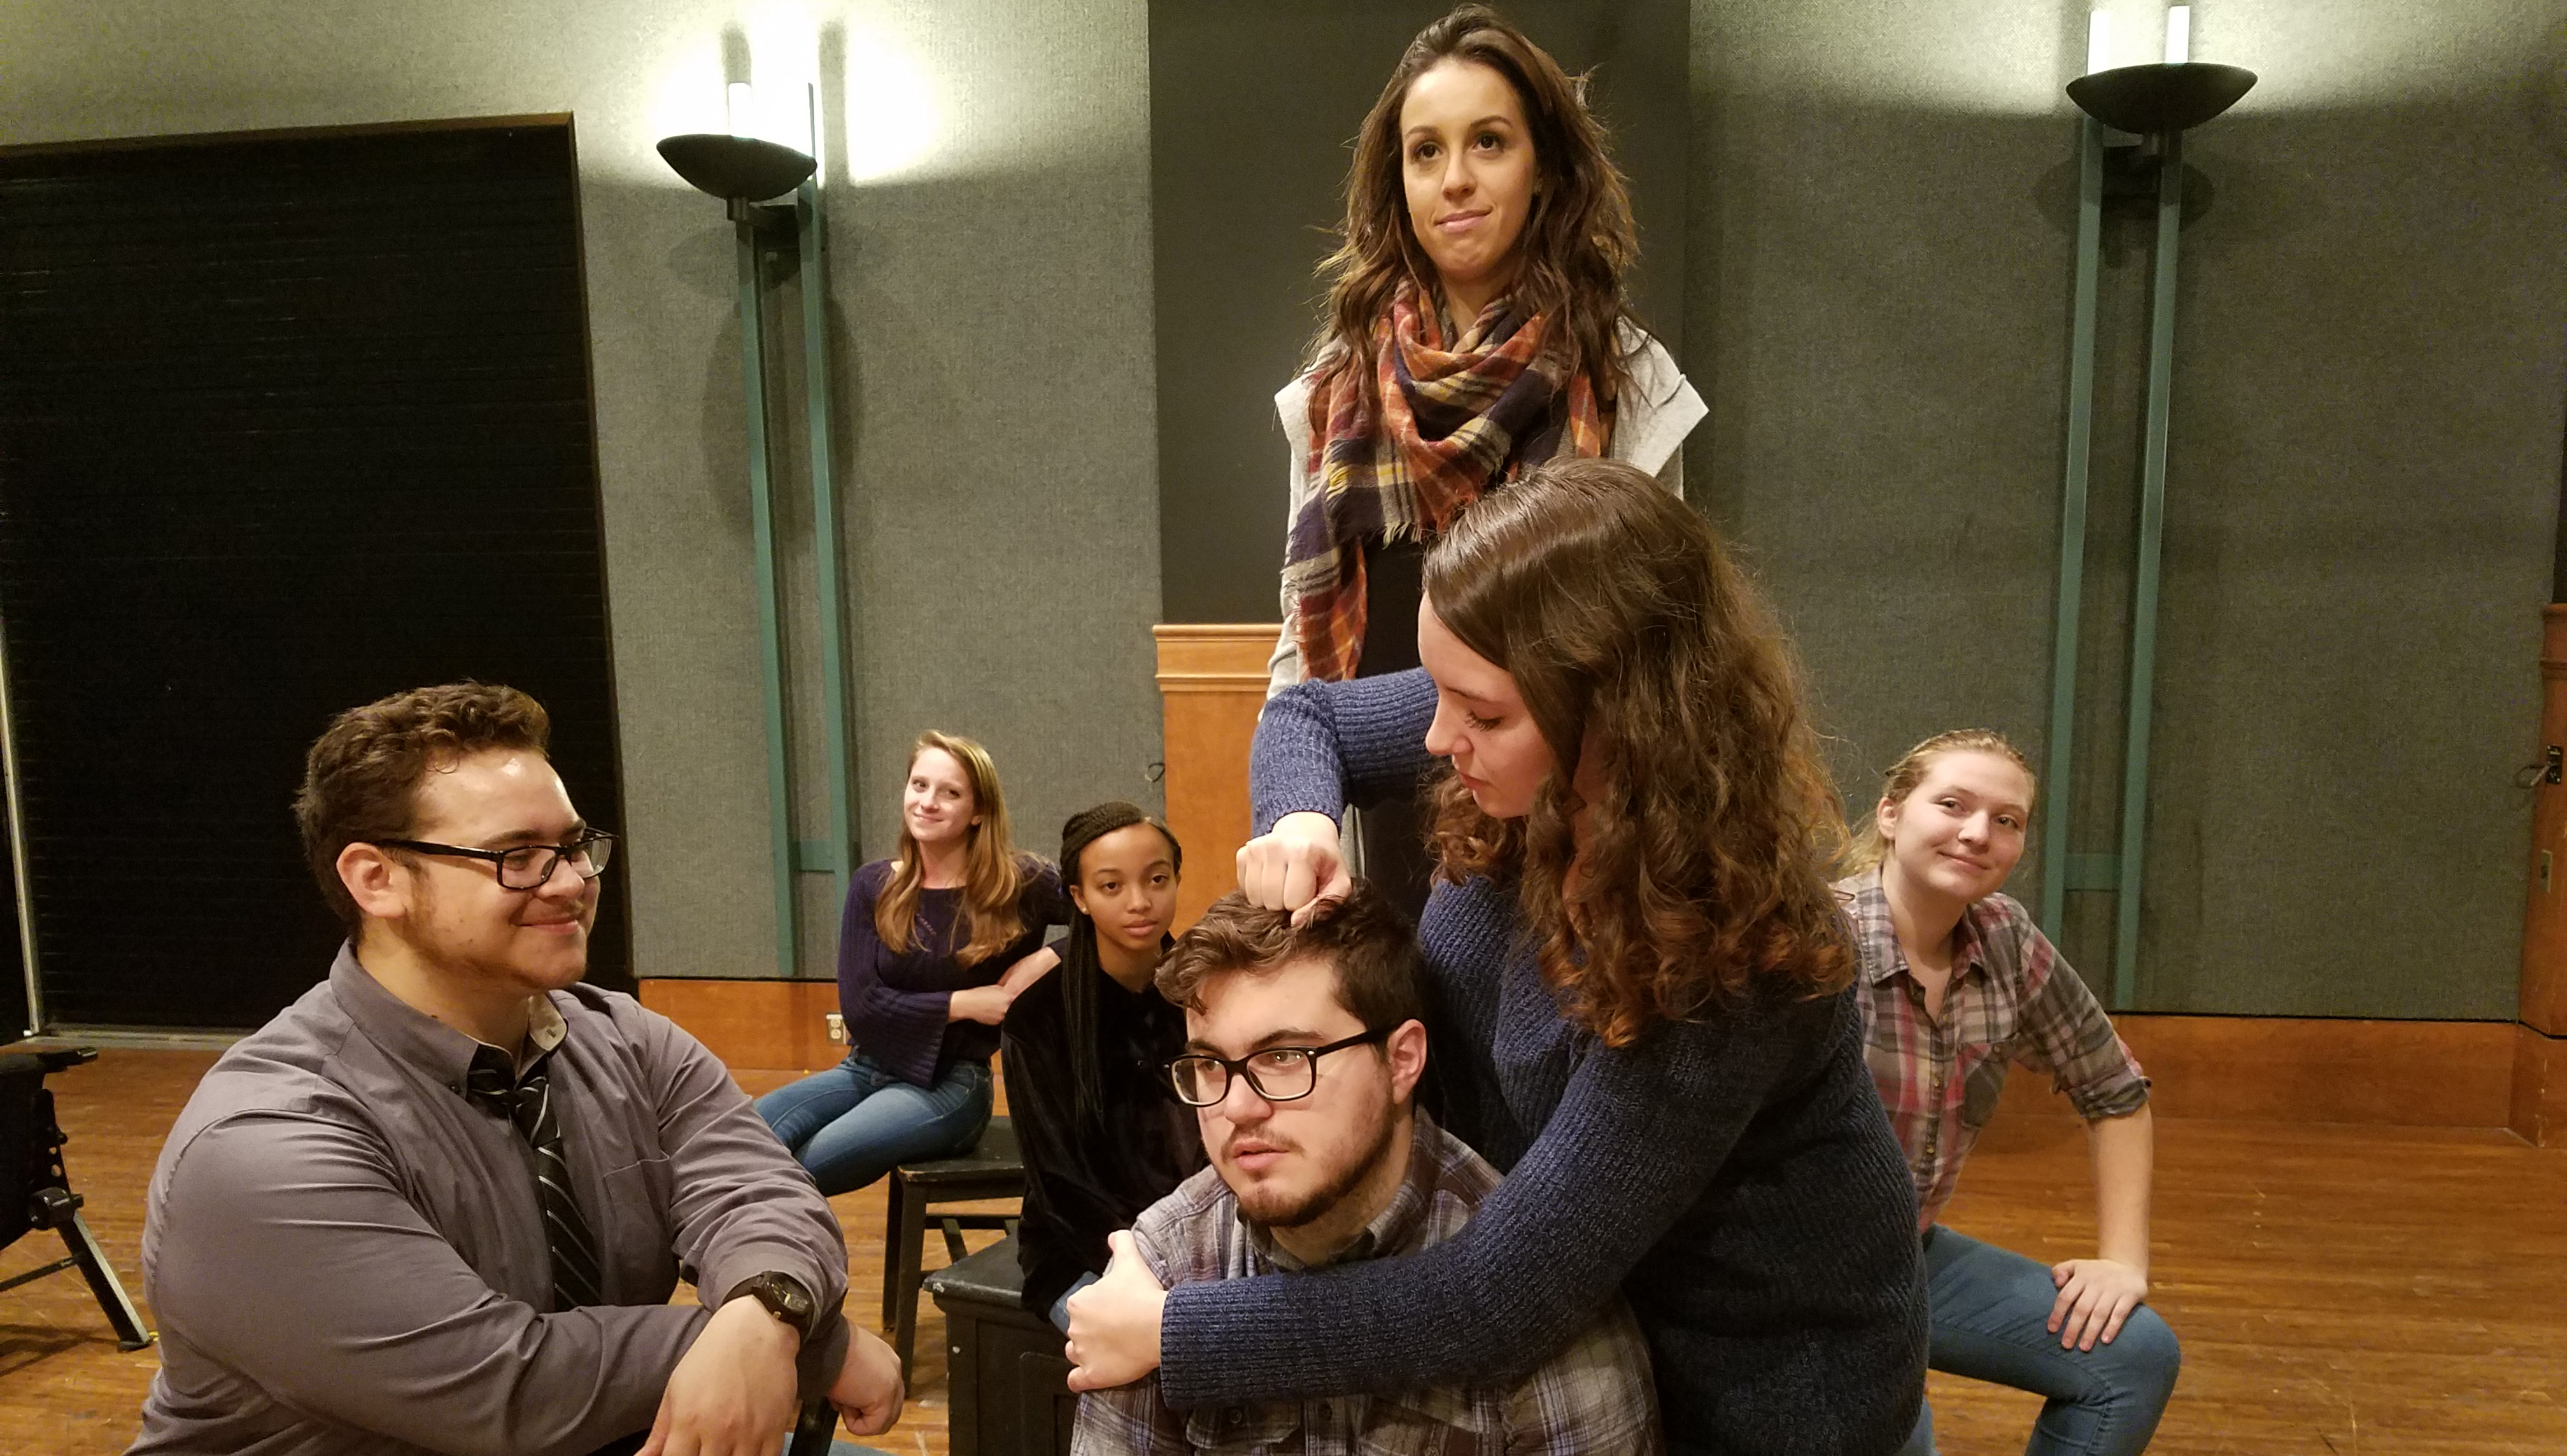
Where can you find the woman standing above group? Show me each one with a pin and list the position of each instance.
(935, 944)
(1957, 981)
(1476, 325)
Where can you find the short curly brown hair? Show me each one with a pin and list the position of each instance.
(1380, 974)
(361, 780)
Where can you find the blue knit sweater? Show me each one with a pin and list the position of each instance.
(1733, 1177)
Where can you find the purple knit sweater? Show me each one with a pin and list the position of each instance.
(895, 1004)
(1733, 1177)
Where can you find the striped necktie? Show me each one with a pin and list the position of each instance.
(492, 1086)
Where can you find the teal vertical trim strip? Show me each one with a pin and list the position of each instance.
(2143, 596)
(771, 633)
(811, 243)
(2071, 525)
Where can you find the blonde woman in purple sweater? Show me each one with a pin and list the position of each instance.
(1642, 1011)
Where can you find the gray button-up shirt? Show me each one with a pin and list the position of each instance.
(346, 1256)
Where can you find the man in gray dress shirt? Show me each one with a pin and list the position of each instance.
(441, 1201)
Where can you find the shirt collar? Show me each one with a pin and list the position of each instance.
(413, 1036)
(1878, 932)
(1391, 1230)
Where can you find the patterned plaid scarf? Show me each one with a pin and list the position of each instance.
(1453, 424)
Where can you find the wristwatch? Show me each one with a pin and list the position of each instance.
(783, 1296)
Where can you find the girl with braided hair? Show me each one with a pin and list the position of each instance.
(1086, 1050)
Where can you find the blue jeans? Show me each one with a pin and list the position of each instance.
(1990, 1308)
(851, 1124)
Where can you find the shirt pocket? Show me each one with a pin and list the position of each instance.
(1431, 1423)
(1234, 1430)
(1980, 1090)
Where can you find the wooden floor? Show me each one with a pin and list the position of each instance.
(2339, 1289)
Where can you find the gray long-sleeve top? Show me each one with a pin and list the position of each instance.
(1733, 1176)
(346, 1256)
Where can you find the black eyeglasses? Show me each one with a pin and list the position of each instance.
(528, 866)
(1278, 1073)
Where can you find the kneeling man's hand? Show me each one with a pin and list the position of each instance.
(1114, 1322)
(732, 1394)
(868, 1392)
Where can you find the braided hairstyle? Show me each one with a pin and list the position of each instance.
(1080, 969)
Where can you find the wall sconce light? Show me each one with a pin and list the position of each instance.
(745, 171)
(2158, 104)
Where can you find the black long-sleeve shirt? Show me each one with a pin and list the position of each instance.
(1081, 1187)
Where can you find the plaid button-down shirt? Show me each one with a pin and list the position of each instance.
(1595, 1396)
(2011, 998)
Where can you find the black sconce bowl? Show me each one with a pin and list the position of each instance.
(735, 168)
(2169, 98)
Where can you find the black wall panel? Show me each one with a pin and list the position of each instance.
(287, 423)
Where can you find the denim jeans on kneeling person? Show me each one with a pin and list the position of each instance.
(1991, 1311)
(851, 1124)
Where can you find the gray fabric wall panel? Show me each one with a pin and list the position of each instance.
(2361, 497)
(992, 313)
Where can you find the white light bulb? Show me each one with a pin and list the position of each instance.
(2098, 41)
(2179, 34)
(744, 109)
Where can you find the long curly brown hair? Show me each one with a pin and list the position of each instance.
(1576, 245)
(1632, 635)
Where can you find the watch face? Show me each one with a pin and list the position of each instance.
(791, 1297)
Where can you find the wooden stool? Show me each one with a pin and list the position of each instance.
(991, 1168)
(1008, 1387)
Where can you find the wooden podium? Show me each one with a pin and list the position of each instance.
(1211, 685)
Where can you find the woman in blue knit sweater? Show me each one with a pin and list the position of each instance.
(1643, 1003)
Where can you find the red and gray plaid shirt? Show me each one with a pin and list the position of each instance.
(1595, 1396)
(2011, 998)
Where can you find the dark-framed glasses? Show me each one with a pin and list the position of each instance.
(528, 866)
(1278, 1073)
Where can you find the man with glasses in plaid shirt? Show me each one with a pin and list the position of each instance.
(1304, 1052)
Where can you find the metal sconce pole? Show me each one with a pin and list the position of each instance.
(770, 626)
(2160, 102)
(835, 856)
(743, 170)
(2072, 526)
(2144, 593)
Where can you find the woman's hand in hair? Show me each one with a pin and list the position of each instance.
(1114, 1322)
(2094, 1297)
(1297, 865)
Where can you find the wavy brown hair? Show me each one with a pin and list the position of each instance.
(1630, 632)
(1576, 245)
(1870, 845)
(993, 874)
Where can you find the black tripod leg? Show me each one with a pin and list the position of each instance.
(130, 1334)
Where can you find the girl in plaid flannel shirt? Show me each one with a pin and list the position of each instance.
(1956, 982)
